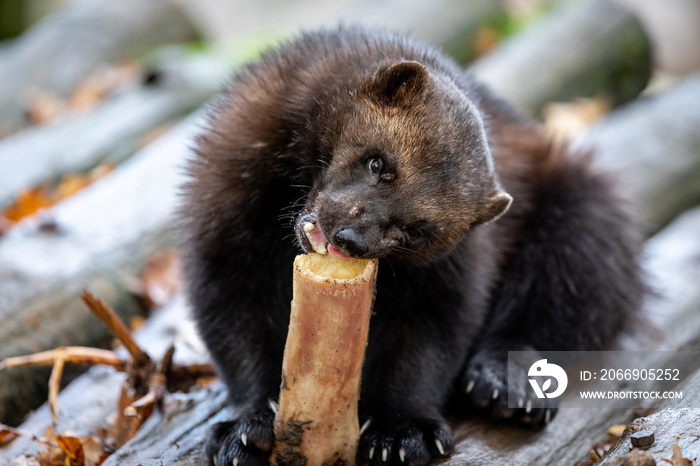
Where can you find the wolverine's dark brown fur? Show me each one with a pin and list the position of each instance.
(390, 150)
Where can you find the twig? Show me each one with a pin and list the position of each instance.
(157, 388)
(58, 357)
(115, 325)
(55, 384)
(72, 354)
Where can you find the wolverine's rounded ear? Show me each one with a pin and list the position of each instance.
(496, 206)
(399, 83)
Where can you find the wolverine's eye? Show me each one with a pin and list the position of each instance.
(375, 165)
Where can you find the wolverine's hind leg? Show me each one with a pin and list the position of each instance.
(572, 283)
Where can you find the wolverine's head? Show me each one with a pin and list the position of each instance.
(408, 170)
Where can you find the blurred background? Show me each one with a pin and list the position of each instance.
(99, 101)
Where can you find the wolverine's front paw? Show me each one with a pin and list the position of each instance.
(486, 384)
(399, 440)
(246, 441)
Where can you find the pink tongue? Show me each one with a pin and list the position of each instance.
(337, 252)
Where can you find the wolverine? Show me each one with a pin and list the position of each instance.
(490, 237)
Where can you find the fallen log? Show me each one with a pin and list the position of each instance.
(600, 48)
(101, 240)
(654, 145)
(57, 53)
(177, 435)
(110, 133)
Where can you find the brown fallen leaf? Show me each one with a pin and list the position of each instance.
(65, 450)
(28, 202)
(636, 457)
(486, 39)
(7, 434)
(102, 83)
(570, 119)
(160, 280)
(45, 107)
(599, 449)
(677, 458)
(73, 448)
(616, 431)
(25, 460)
(32, 200)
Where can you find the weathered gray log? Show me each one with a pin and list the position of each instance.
(654, 144)
(582, 49)
(59, 52)
(675, 423)
(104, 236)
(112, 131)
(177, 436)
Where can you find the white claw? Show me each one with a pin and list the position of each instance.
(273, 406)
(385, 454)
(470, 386)
(495, 393)
(235, 461)
(371, 453)
(216, 461)
(547, 416)
(528, 406)
(402, 454)
(438, 444)
(521, 402)
(365, 426)
(244, 439)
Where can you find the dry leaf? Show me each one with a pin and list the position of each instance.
(102, 83)
(7, 434)
(677, 458)
(136, 322)
(28, 202)
(123, 427)
(567, 120)
(94, 453)
(44, 108)
(32, 200)
(160, 280)
(26, 461)
(72, 183)
(486, 39)
(616, 430)
(73, 449)
(66, 450)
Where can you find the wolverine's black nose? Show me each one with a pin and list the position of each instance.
(349, 240)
